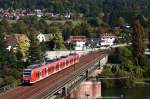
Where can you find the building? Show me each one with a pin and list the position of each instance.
(78, 42)
(41, 37)
(107, 39)
(12, 40)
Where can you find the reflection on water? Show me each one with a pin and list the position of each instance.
(87, 90)
(134, 93)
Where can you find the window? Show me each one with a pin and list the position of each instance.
(49, 69)
(46, 70)
(39, 74)
(57, 66)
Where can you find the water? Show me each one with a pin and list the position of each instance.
(134, 93)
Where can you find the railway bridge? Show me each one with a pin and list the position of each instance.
(58, 85)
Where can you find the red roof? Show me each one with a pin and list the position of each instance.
(73, 39)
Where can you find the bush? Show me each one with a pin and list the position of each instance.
(118, 71)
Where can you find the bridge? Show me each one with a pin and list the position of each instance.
(60, 84)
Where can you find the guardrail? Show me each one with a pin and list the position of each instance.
(49, 94)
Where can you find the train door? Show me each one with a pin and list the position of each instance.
(40, 74)
(46, 71)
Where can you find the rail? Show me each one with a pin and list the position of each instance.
(49, 93)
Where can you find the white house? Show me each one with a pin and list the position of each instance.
(107, 39)
(78, 41)
(41, 37)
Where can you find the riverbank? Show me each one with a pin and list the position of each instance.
(133, 93)
(144, 82)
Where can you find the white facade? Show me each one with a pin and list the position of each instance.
(79, 45)
(107, 40)
(41, 37)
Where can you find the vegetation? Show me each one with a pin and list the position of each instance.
(8, 69)
(36, 56)
(125, 78)
(23, 45)
(89, 18)
(124, 66)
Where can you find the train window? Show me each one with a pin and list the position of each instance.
(46, 70)
(57, 66)
(39, 74)
(49, 69)
(63, 64)
(66, 62)
(52, 68)
(26, 73)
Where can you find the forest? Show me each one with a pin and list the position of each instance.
(87, 7)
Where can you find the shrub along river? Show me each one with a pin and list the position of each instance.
(133, 93)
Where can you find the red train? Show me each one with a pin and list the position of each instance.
(35, 73)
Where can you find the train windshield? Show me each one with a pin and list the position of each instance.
(27, 72)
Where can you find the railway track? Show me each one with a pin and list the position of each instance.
(30, 92)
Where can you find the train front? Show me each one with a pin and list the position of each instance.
(26, 76)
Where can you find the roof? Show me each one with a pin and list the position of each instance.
(12, 39)
(49, 62)
(106, 35)
(73, 39)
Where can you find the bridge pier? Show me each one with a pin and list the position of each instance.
(65, 92)
(99, 65)
(87, 74)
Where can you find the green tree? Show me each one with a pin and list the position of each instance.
(36, 56)
(59, 42)
(4, 25)
(86, 30)
(23, 45)
(67, 28)
(19, 27)
(95, 22)
(107, 73)
(6, 57)
(138, 42)
(148, 30)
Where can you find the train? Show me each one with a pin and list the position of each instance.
(37, 72)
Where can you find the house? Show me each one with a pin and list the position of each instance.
(38, 13)
(45, 37)
(93, 42)
(41, 37)
(12, 40)
(107, 39)
(78, 42)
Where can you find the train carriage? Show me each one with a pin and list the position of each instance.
(36, 72)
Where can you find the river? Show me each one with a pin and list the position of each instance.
(134, 93)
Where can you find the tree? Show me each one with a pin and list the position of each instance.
(59, 42)
(23, 45)
(67, 28)
(19, 27)
(138, 41)
(36, 56)
(6, 57)
(95, 22)
(149, 39)
(4, 25)
(86, 30)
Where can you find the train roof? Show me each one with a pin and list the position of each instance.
(49, 61)
(33, 66)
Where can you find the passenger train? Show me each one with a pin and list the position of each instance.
(36, 72)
